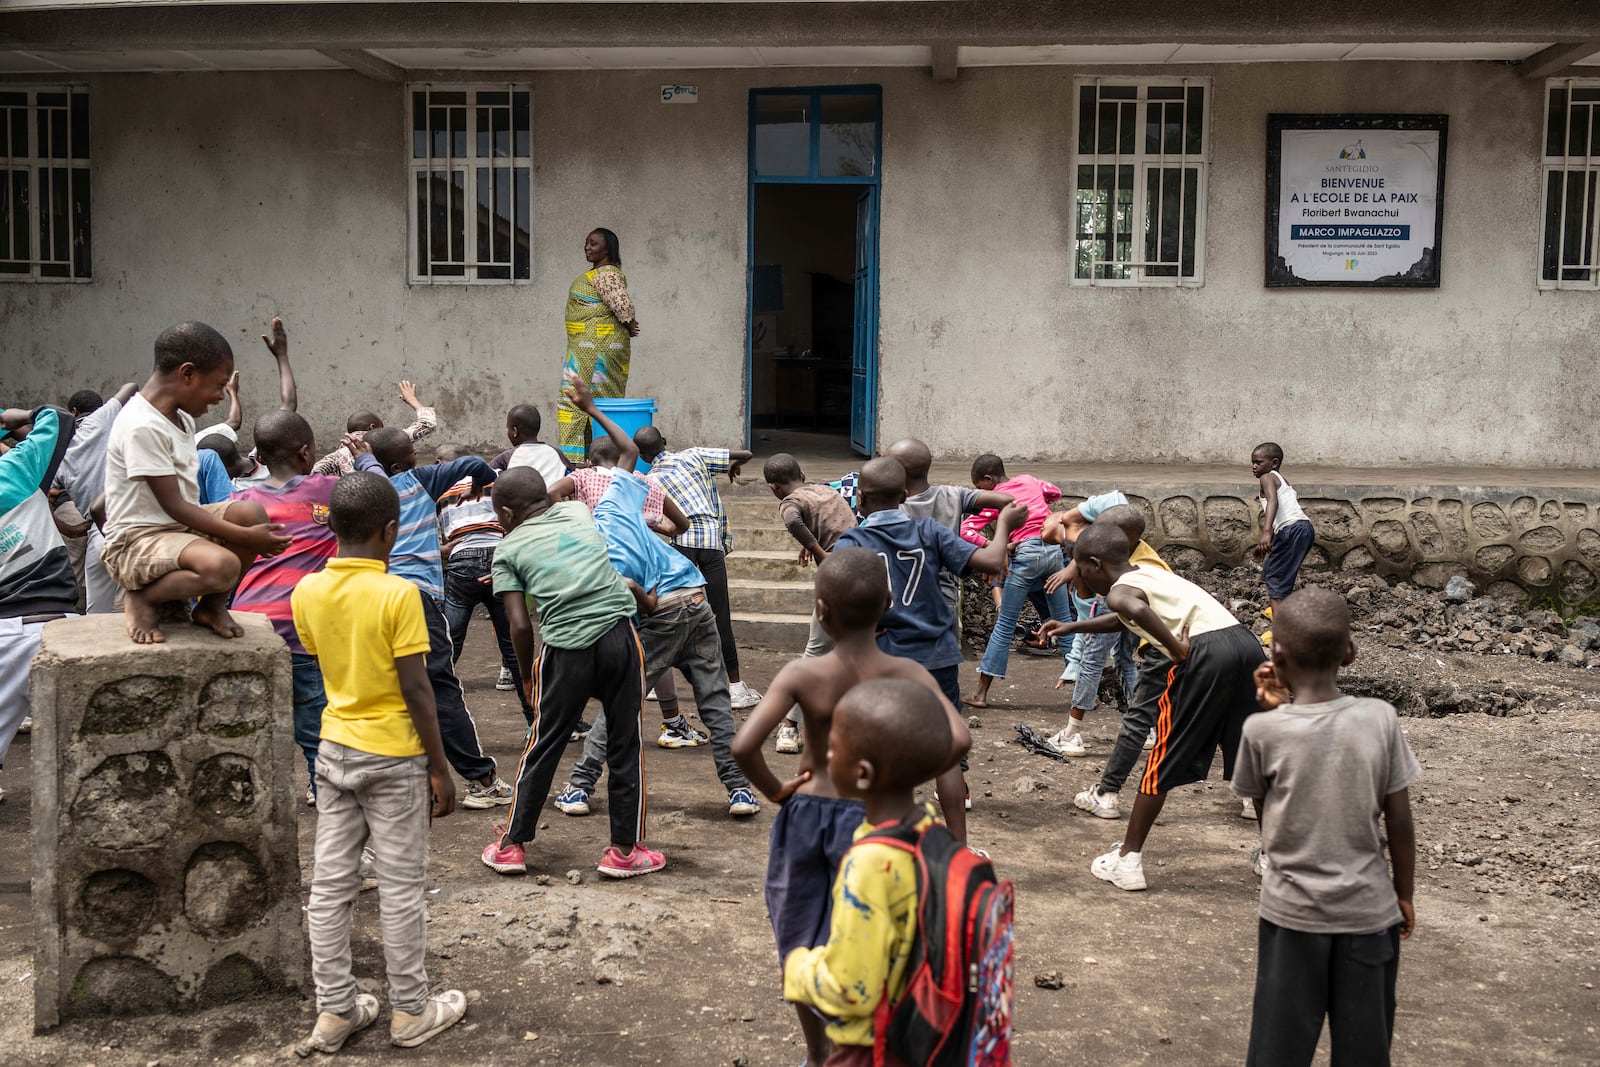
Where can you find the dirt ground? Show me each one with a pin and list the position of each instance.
(679, 967)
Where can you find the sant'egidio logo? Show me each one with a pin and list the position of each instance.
(1353, 151)
(319, 514)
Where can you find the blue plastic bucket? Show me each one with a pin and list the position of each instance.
(630, 413)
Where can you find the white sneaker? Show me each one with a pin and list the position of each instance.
(1124, 872)
(789, 739)
(440, 1013)
(1099, 803)
(26, 725)
(743, 696)
(1149, 740)
(1249, 810)
(1068, 743)
(505, 683)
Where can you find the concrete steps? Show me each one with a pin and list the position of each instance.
(770, 594)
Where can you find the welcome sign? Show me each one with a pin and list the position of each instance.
(1355, 199)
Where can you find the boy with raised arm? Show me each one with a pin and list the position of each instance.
(1210, 689)
(554, 559)
(675, 624)
(1322, 768)
(379, 761)
(342, 461)
(244, 469)
(917, 624)
(815, 826)
(162, 545)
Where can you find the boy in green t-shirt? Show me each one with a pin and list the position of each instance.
(379, 758)
(554, 557)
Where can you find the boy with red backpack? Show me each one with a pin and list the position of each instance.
(917, 968)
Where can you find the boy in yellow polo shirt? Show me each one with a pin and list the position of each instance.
(379, 758)
(888, 736)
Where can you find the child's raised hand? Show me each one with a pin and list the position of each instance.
(231, 386)
(408, 393)
(355, 444)
(577, 390)
(278, 343)
(1270, 690)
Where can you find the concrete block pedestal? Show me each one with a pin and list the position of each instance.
(166, 871)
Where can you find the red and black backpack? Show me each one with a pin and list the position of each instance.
(957, 1005)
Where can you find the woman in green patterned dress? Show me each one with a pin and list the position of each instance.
(600, 324)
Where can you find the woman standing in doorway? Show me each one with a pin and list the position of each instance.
(600, 324)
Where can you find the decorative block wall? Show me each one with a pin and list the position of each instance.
(166, 872)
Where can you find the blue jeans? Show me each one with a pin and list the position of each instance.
(309, 700)
(1031, 563)
(462, 592)
(1096, 648)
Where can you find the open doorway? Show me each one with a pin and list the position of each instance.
(803, 307)
(813, 255)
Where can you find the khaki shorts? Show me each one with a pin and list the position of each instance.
(146, 553)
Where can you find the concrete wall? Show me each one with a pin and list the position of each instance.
(236, 196)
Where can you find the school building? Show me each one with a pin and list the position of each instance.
(1046, 229)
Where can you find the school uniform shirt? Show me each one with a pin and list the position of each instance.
(36, 576)
(357, 620)
(415, 556)
(689, 477)
(819, 510)
(558, 560)
(301, 505)
(870, 935)
(1322, 772)
(82, 474)
(541, 457)
(1026, 490)
(634, 550)
(918, 624)
(1177, 602)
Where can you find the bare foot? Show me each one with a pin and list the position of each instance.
(217, 618)
(141, 617)
(975, 701)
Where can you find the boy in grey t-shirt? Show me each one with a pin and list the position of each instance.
(1321, 770)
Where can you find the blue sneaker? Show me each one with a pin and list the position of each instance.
(573, 801)
(742, 802)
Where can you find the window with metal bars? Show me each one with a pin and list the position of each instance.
(44, 184)
(1571, 168)
(1139, 192)
(471, 184)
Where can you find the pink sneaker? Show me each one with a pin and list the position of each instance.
(505, 859)
(614, 863)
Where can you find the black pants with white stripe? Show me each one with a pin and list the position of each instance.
(611, 671)
(456, 728)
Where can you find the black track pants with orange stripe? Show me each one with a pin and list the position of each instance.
(1203, 709)
(611, 671)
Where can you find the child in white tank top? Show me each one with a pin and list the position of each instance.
(1286, 531)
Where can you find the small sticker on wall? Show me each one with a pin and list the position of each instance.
(680, 94)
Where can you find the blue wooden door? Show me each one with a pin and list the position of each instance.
(864, 358)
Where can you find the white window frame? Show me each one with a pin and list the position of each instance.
(1142, 162)
(36, 166)
(1568, 165)
(468, 164)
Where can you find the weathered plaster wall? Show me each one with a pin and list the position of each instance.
(236, 196)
